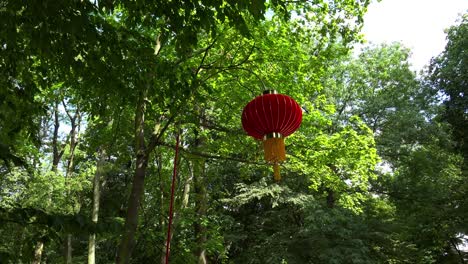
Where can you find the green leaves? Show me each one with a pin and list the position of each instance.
(212, 57)
(447, 76)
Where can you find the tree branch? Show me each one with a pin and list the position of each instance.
(214, 157)
(462, 259)
(157, 47)
(193, 54)
(210, 125)
(233, 66)
(156, 137)
(204, 56)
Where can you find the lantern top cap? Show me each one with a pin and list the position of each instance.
(270, 92)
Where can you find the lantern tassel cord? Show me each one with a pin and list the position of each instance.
(171, 205)
(276, 172)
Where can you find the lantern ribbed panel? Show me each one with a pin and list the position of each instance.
(271, 113)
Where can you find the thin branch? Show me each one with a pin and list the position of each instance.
(462, 259)
(191, 55)
(233, 66)
(210, 125)
(156, 137)
(204, 56)
(211, 156)
(66, 110)
(254, 74)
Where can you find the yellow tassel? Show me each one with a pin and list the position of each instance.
(274, 150)
(275, 153)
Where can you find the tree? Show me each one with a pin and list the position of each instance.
(379, 86)
(422, 178)
(447, 75)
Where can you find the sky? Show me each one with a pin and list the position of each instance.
(418, 24)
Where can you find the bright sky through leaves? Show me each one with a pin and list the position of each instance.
(418, 24)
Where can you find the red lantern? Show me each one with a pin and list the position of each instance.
(271, 117)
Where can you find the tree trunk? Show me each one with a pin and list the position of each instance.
(131, 221)
(68, 257)
(330, 198)
(331, 195)
(75, 121)
(95, 212)
(55, 155)
(186, 194)
(38, 252)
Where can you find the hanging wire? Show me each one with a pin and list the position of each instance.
(264, 87)
(171, 206)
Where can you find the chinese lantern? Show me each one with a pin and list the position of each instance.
(271, 117)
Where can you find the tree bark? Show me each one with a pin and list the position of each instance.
(75, 121)
(38, 252)
(68, 257)
(186, 194)
(95, 212)
(55, 151)
(131, 221)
